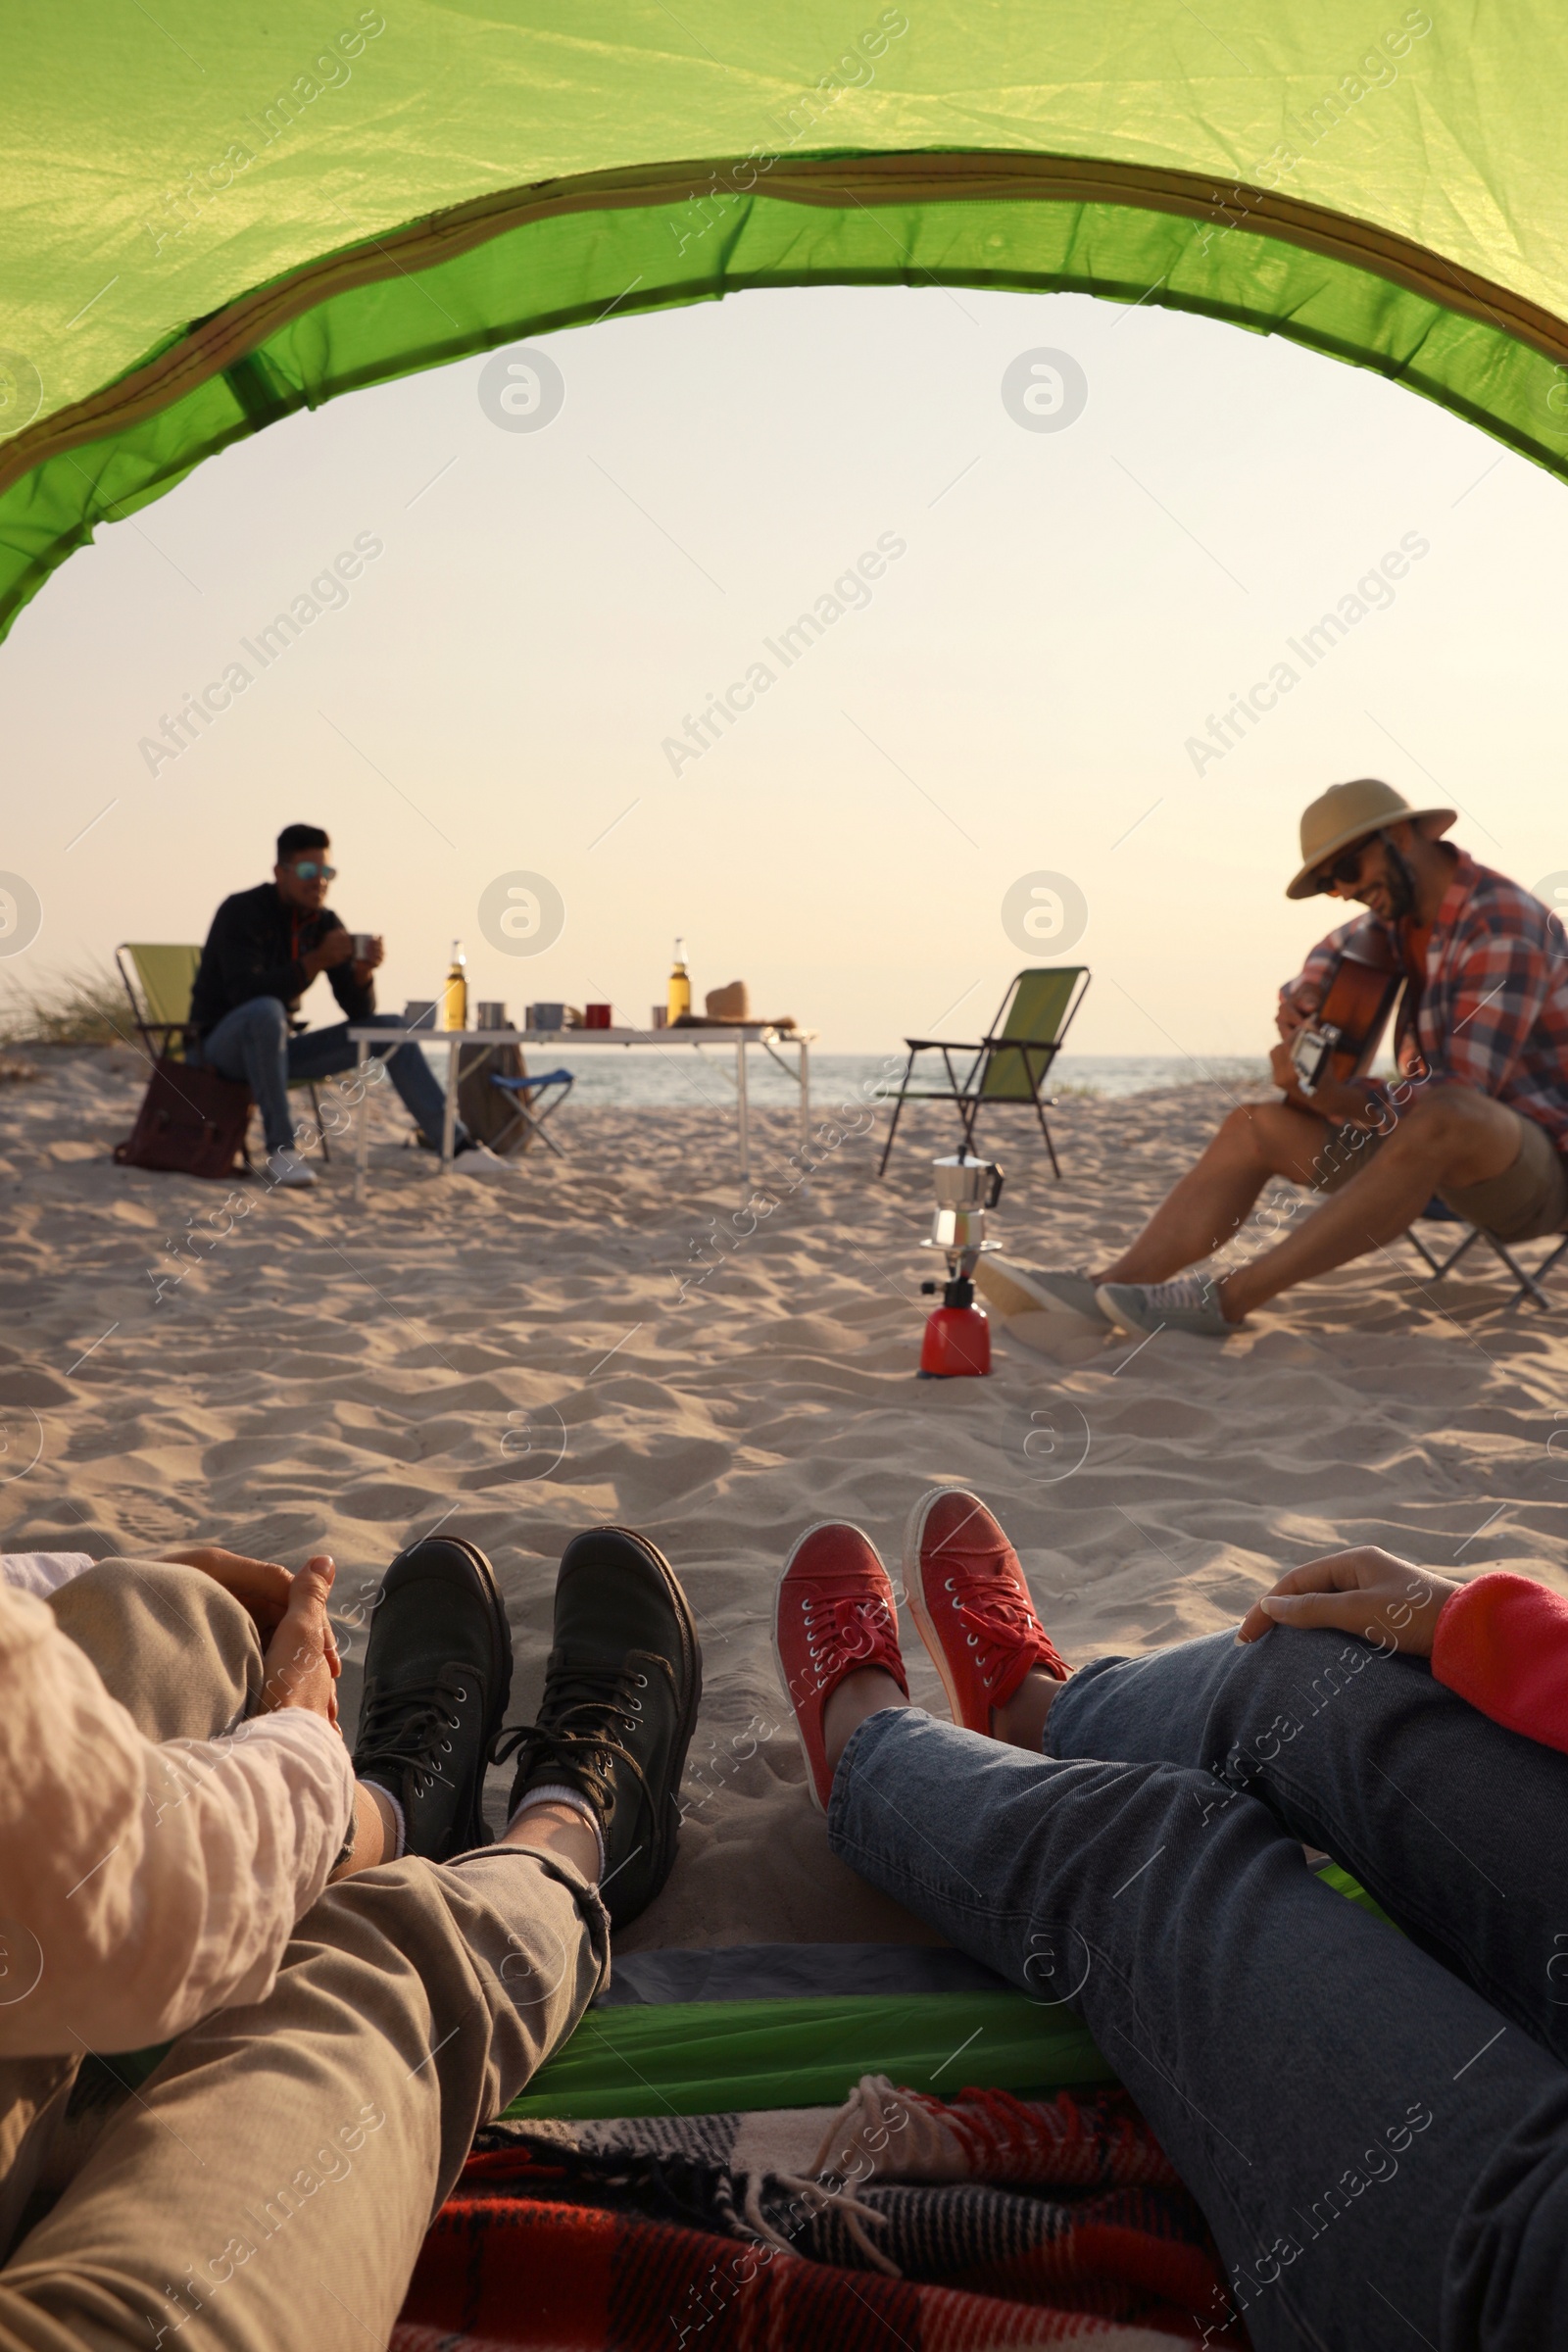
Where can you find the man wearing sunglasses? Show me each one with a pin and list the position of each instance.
(265, 948)
(1478, 1116)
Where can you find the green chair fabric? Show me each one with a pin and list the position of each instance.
(1041, 1008)
(216, 217)
(159, 980)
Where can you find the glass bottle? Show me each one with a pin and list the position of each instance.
(455, 996)
(680, 987)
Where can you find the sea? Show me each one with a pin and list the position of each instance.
(683, 1075)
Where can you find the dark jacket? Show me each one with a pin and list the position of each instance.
(254, 949)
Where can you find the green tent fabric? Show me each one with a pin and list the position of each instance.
(216, 216)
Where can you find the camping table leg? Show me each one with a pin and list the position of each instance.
(449, 1116)
(741, 1105)
(361, 1125)
(805, 1095)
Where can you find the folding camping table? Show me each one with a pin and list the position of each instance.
(573, 1041)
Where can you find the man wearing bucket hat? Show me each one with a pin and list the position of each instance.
(1478, 1116)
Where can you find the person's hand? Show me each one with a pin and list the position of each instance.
(1340, 1106)
(1355, 1105)
(335, 949)
(1295, 1007)
(1366, 1592)
(301, 1666)
(259, 1585)
(1282, 1068)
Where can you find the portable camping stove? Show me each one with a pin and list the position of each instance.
(957, 1333)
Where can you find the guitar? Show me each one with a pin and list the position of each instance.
(1339, 1043)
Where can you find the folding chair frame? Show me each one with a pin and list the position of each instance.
(968, 1095)
(309, 1084)
(534, 1121)
(1528, 1279)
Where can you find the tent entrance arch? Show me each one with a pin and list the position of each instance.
(1421, 240)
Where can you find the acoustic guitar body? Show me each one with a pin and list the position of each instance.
(1340, 1042)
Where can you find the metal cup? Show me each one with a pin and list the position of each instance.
(364, 945)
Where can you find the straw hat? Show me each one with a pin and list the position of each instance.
(1348, 812)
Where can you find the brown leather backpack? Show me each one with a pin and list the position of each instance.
(191, 1122)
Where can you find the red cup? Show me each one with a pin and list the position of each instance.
(597, 1016)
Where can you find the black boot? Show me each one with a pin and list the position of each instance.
(621, 1697)
(437, 1677)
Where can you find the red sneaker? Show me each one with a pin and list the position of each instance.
(967, 1595)
(835, 1613)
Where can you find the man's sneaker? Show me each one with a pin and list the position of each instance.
(966, 1593)
(485, 1167)
(437, 1675)
(834, 1613)
(1013, 1290)
(286, 1169)
(1188, 1303)
(621, 1689)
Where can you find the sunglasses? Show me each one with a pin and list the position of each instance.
(1345, 869)
(311, 870)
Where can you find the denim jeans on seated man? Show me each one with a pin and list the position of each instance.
(253, 1042)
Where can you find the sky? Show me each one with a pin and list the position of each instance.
(994, 749)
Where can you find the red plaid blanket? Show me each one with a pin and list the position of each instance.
(1016, 2224)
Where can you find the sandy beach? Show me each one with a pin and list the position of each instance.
(282, 1373)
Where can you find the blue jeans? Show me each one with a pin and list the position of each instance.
(253, 1042)
(1459, 1827)
(1381, 2155)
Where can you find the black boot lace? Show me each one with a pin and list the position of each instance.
(588, 1717)
(407, 1729)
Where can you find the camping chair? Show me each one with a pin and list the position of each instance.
(158, 981)
(1528, 1279)
(528, 1119)
(1010, 1063)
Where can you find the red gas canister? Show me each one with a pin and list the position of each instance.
(957, 1340)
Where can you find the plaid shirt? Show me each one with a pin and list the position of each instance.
(1492, 1013)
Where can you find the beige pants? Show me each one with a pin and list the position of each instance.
(268, 2187)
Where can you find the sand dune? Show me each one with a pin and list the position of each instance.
(514, 1368)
